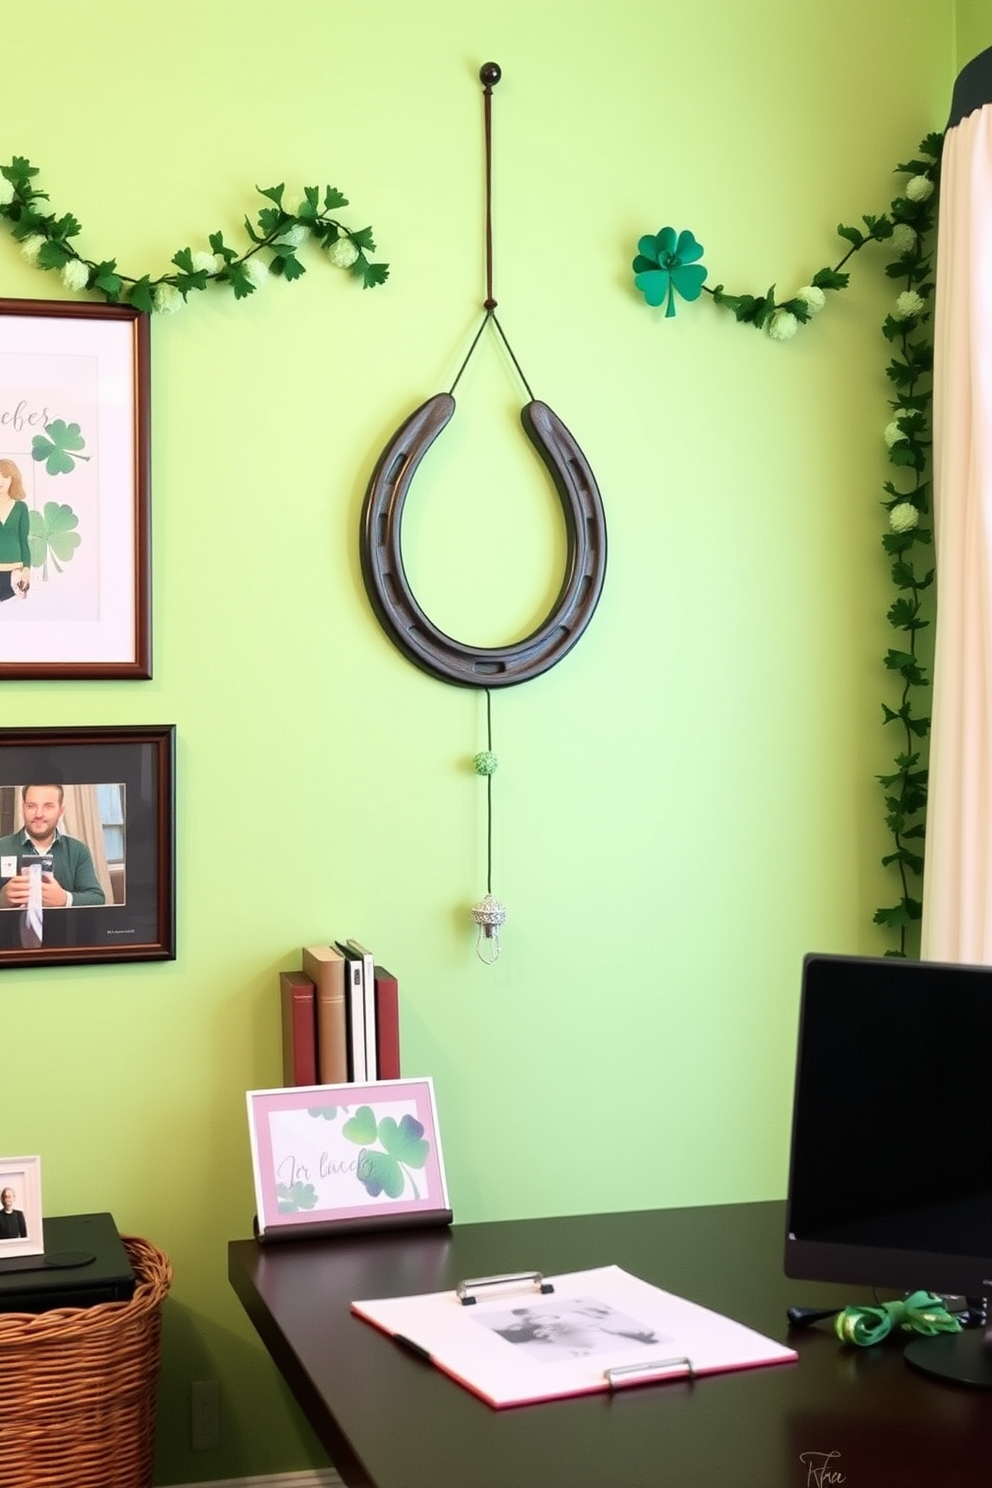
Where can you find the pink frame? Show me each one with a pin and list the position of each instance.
(310, 1143)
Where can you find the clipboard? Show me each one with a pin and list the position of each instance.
(522, 1338)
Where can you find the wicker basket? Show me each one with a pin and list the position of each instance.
(78, 1386)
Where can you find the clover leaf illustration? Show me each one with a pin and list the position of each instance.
(52, 534)
(361, 1128)
(404, 1147)
(325, 1113)
(380, 1173)
(293, 1197)
(405, 1141)
(55, 449)
(666, 265)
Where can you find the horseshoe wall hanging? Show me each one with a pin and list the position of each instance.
(390, 595)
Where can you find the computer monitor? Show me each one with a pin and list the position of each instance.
(890, 1173)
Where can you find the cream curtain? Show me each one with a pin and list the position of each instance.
(81, 818)
(957, 886)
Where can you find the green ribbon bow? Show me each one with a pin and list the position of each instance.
(920, 1313)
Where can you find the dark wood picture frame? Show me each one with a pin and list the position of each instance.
(74, 424)
(119, 785)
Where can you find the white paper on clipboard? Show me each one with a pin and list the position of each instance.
(595, 1331)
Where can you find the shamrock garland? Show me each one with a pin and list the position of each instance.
(47, 242)
(667, 265)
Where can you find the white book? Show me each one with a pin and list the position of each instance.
(355, 999)
(588, 1331)
(368, 989)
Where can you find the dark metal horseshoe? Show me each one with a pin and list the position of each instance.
(389, 590)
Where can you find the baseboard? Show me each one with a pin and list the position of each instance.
(324, 1477)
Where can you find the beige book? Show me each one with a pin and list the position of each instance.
(325, 966)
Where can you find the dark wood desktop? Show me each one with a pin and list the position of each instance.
(858, 1417)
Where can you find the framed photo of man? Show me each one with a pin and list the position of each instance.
(74, 490)
(87, 850)
(20, 1208)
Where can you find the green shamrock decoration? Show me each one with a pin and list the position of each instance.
(324, 1113)
(51, 534)
(666, 265)
(404, 1148)
(55, 450)
(292, 1198)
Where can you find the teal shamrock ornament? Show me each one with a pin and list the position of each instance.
(666, 265)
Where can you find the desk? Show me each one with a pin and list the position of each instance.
(390, 1421)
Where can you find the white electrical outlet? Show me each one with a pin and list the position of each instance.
(204, 1415)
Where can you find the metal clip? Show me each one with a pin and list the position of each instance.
(622, 1375)
(512, 1281)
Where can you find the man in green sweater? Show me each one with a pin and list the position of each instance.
(71, 881)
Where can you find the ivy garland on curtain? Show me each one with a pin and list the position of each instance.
(908, 437)
(668, 265)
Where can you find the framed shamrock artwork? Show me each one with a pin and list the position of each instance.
(74, 491)
(334, 1157)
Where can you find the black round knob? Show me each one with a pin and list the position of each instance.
(490, 74)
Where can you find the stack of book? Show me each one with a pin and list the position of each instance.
(340, 1018)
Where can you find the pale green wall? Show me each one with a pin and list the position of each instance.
(974, 28)
(686, 804)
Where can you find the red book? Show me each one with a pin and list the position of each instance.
(387, 1023)
(299, 1029)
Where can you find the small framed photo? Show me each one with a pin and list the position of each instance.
(333, 1157)
(74, 490)
(20, 1207)
(87, 851)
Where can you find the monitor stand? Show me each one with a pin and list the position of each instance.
(965, 1358)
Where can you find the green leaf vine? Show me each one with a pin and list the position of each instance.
(276, 235)
(908, 437)
(908, 229)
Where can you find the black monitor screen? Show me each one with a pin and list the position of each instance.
(890, 1179)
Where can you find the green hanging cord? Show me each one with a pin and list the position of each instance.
(489, 913)
(486, 764)
(920, 1313)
